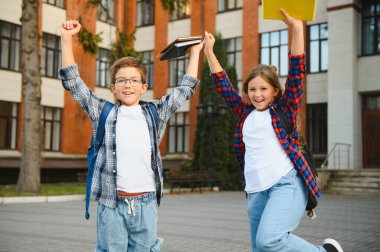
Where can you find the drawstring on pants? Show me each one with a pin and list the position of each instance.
(131, 206)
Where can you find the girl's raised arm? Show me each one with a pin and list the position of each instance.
(296, 26)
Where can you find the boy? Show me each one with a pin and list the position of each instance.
(127, 180)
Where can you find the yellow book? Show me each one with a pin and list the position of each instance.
(300, 9)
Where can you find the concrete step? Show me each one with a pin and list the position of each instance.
(357, 172)
(357, 179)
(350, 183)
(352, 190)
(354, 182)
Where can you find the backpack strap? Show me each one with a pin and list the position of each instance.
(96, 145)
(154, 113)
(285, 121)
(102, 123)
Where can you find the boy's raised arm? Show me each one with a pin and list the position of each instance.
(192, 68)
(68, 30)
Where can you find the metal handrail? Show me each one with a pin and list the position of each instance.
(335, 148)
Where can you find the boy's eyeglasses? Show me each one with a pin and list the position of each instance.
(122, 82)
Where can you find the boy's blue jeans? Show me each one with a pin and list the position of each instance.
(275, 213)
(132, 226)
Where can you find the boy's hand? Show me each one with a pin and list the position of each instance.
(291, 21)
(195, 49)
(209, 42)
(70, 28)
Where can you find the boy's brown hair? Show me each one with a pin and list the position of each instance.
(269, 74)
(128, 62)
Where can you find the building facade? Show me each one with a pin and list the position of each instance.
(341, 114)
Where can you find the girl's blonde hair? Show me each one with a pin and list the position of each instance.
(269, 74)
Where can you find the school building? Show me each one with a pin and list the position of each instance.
(341, 116)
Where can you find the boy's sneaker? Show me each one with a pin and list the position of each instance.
(332, 245)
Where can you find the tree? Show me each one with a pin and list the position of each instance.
(29, 179)
(213, 146)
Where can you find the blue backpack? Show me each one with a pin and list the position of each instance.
(93, 151)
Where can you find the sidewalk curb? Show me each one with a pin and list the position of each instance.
(76, 197)
(41, 199)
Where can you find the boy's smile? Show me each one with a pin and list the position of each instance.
(128, 86)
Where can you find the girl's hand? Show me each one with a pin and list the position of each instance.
(70, 28)
(209, 42)
(291, 21)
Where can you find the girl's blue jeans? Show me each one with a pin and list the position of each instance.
(132, 226)
(275, 213)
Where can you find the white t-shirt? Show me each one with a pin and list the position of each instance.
(265, 160)
(133, 151)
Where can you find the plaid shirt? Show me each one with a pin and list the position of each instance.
(104, 186)
(290, 102)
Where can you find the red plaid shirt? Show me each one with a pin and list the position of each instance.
(290, 102)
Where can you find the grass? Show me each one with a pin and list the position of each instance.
(46, 190)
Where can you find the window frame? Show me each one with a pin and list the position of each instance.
(226, 8)
(52, 122)
(103, 76)
(320, 41)
(9, 120)
(12, 41)
(234, 52)
(376, 33)
(175, 73)
(185, 126)
(102, 15)
(57, 56)
(149, 66)
(317, 120)
(180, 14)
(270, 47)
(55, 3)
(144, 3)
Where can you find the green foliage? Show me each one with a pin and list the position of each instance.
(121, 47)
(213, 145)
(172, 5)
(90, 42)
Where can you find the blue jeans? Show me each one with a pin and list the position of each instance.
(132, 226)
(275, 213)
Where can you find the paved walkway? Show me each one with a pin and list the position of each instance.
(188, 222)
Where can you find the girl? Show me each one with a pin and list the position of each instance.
(276, 187)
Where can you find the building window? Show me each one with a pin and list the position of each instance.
(148, 60)
(180, 12)
(103, 62)
(51, 125)
(8, 124)
(106, 11)
(227, 5)
(145, 12)
(233, 49)
(10, 35)
(177, 69)
(370, 27)
(317, 127)
(318, 48)
(57, 3)
(274, 50)
(178, 137)
(51, 55)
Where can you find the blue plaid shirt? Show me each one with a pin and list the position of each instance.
(103, 186)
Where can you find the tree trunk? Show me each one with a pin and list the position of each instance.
(29, 178)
